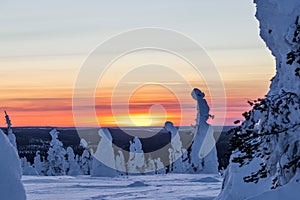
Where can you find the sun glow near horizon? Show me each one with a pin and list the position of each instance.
(37, 78)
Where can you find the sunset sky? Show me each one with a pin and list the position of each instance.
(44, 45)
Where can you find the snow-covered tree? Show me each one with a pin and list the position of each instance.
(151, 167)
(10, 171)
(56, 156)
(12, 138)
(120, 163)
(27, 168)
(10, 134)
(104, 163)
(73, 168)
(266, 146)
(136, 162)
(203, 153)
(176, 151)
(160, 167)
(39, 165)
(86, 162)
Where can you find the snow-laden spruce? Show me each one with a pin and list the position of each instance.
(104, 163)
(201, 157)
(58, 161)
(56, 156)
(73, 168)
(86, 162)
(176, 152)
(203, 153)
(136, 162)
(27, 168)
(10, 171)
(266, 148)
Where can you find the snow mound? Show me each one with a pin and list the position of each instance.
(11, 187)
(209, 180)
(137, 184)
(288, 191)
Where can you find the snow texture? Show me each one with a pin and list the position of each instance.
(288, 191)
(164, 187)
(11, 187)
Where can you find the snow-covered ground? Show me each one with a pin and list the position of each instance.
(171, 186)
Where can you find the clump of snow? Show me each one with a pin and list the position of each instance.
(137, 184)
(10, 171)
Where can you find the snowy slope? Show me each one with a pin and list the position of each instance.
(288, 191)
(171, 186)
(11, 187)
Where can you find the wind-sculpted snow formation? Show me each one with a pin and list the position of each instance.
(266, 147)
(10, 171)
